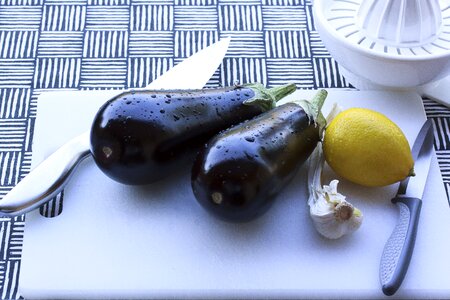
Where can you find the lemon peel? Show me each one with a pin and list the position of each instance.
(367, 148)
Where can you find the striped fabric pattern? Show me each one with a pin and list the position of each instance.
(117, 44)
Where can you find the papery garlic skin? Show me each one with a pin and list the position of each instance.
(331, 214)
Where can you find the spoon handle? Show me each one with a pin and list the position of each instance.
(47, 179)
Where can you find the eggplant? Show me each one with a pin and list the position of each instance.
(140, 137)
(240, 171)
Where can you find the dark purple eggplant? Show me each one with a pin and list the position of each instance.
(240, 171)
(140, 137)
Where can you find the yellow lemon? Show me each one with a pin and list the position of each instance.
(366, 147)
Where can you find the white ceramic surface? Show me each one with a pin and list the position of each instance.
(400, 23)
(114, 241)
(386, 66)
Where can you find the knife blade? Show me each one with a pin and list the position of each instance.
(399, 247)
(50, 177)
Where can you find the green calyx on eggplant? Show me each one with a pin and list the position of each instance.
(240, 172)
(140, 137)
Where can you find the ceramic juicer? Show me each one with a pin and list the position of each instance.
(389, 44)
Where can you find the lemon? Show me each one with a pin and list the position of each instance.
(367, 148)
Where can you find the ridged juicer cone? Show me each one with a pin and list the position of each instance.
(400, 23)
(388, 44)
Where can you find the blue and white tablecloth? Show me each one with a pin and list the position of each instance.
(116, 44)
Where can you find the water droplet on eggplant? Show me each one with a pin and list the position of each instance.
(107, 151)
(249, 156)
(217, 197)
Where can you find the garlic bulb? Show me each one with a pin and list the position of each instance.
(331, 214)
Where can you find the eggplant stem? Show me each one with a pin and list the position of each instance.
(267, 98)
(313, 109)
(279, 92)
(317, 102)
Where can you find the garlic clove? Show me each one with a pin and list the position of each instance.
(332, 216)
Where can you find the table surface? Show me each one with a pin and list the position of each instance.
(117, 44)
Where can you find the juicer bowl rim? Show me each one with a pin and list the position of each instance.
(319, 16)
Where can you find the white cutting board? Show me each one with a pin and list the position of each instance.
(116, 241)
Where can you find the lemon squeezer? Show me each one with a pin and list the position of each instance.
(389, 44)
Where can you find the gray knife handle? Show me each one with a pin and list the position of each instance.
(400, 245)
(47, 179)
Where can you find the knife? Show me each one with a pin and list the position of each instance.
(50, 177)
(400, 245)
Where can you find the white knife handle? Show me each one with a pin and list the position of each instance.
(400, 245)
(47, 179)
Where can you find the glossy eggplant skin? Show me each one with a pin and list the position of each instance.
(238, 174)
(140, 137)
